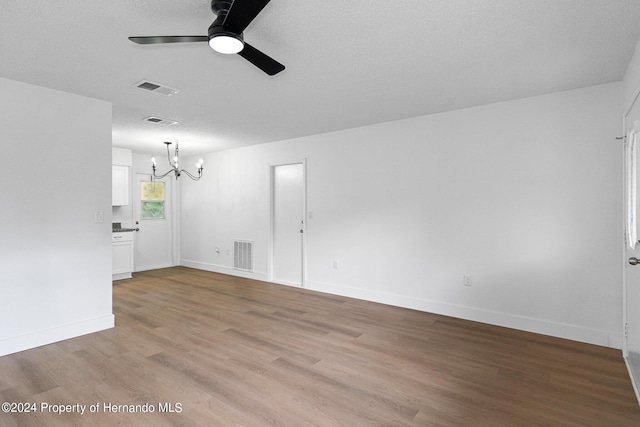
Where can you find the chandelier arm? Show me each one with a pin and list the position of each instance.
(163, 175)
(195, 178)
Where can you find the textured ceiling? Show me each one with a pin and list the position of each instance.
(349, 63)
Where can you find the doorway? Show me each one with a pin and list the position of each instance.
(287, 225)
(631, 289)
(153, 246)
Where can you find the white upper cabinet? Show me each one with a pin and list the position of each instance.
(121, 161)
(119, 185)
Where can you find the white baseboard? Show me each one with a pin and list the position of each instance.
(60, 333)
(529, 324)
(153, 267)
(507, 320)
(120, 276)
(293, 285)
(224, 270)
(633, 366)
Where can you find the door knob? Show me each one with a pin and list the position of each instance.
(634, 261)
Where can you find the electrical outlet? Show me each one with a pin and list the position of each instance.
(466, 280)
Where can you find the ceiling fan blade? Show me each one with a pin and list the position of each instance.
(168, 39)
(241, 13)
(260, 60)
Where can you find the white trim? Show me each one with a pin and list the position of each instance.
(51, 335)
(624, 245)
(271, 168)
(155, 267)
(634, 379)
(507, 320)
(293, 285)
(529, 324)
(224, 269)
(174, 213)
(176, 193)
(121, 276)
(625, 315)
(631, 178)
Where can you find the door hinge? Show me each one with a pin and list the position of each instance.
(626, 330)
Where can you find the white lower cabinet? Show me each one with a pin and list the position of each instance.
(122, 255)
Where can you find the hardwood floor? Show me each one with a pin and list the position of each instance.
(224, 351)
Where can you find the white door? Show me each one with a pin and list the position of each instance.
(288, 224)
(631, 344)
(152, 213)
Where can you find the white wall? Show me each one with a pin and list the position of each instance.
(525, 196)
(631, 81)
(55, 260)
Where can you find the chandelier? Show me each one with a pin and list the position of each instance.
(175, 166)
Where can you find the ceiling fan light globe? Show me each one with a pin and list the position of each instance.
(226, 44)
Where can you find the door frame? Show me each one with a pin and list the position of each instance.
(627, 110)
(174, 221)
(270, 255)
(635, 382)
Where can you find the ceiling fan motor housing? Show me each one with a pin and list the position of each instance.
(221, 7)
(216, 29)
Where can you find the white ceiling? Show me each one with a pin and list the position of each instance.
(349, 63)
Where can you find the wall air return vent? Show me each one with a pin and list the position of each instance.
(243, 255)
(160, 121)
(156, 88)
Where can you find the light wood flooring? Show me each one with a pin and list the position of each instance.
(227, 351)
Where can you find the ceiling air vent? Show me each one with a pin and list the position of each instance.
(160, 121)
(156, 88)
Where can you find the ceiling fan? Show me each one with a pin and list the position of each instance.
(225, 33)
